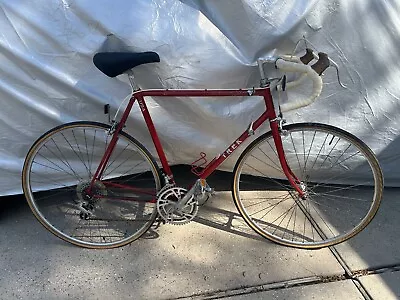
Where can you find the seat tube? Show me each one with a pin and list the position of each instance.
(154, 136)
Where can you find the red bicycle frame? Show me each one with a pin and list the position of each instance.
(269, 113)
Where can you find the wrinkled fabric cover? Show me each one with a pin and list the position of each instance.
(47, 76)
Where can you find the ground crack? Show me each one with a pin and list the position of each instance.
(380, 270)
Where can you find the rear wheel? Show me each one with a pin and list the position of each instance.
(339, 174)
(116, 210)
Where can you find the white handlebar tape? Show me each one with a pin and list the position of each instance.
(298, 81)
(289, 66)
(294, 83)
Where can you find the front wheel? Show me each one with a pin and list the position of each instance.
(340, 177)
(110, 212)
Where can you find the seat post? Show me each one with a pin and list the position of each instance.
(132, 80)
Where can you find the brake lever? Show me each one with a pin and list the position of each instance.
(335, 65)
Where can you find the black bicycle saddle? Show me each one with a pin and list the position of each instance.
(115, 63)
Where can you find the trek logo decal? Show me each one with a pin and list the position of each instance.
(231, 148)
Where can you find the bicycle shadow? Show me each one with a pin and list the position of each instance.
(217, 218)
(218, 212)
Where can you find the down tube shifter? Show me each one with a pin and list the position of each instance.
(107, 112)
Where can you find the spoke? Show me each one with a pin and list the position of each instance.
(75, 176)
(279, 225)
(326, 157)
(340, 189)
(77, 155)
(273, 148)
(295, 151)
(55, 193)
(305, 220)
(339, 163)
(333, 178)
(129, 171)
(287, 225)
(340, 199)
(127, 159)
(87, 154)
(278, 167)
(264, 200)
(92, 153)
(319, 152)
(273, 180)
(335, 163)
(263, 162)
(320, 204)
(308, 154)
(320, 216)
(55, 181)
(311, 225)
(80, 152)
(63, 159)
(336, 176)
(287, 186)
(294, 222)
(117, 156)
(283, 214)
(272, 205)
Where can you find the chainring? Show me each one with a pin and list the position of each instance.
(166, 201)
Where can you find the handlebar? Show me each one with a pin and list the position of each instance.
(296, 64)
(289, 66)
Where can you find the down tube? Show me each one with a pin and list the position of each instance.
(269, 113)
(232, 148)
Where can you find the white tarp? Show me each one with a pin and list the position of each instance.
(47, 76)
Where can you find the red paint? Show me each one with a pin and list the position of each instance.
(154, 136)
(269, 113)
(151, 192)
(111, 146)
(282, 159)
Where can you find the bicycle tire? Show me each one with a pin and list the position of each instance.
(270, 205)
(57, 172)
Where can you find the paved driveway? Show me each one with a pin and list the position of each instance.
(216, 256)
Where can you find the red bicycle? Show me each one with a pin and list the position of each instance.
(303, 185)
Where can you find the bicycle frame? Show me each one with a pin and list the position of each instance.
(269, 113)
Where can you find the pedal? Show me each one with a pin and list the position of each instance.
(158, 222)
(210, 191)
(205, 192)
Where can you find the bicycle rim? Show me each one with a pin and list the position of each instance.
(340, 175)
(57, 173)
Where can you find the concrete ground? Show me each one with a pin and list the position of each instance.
(216, 256)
